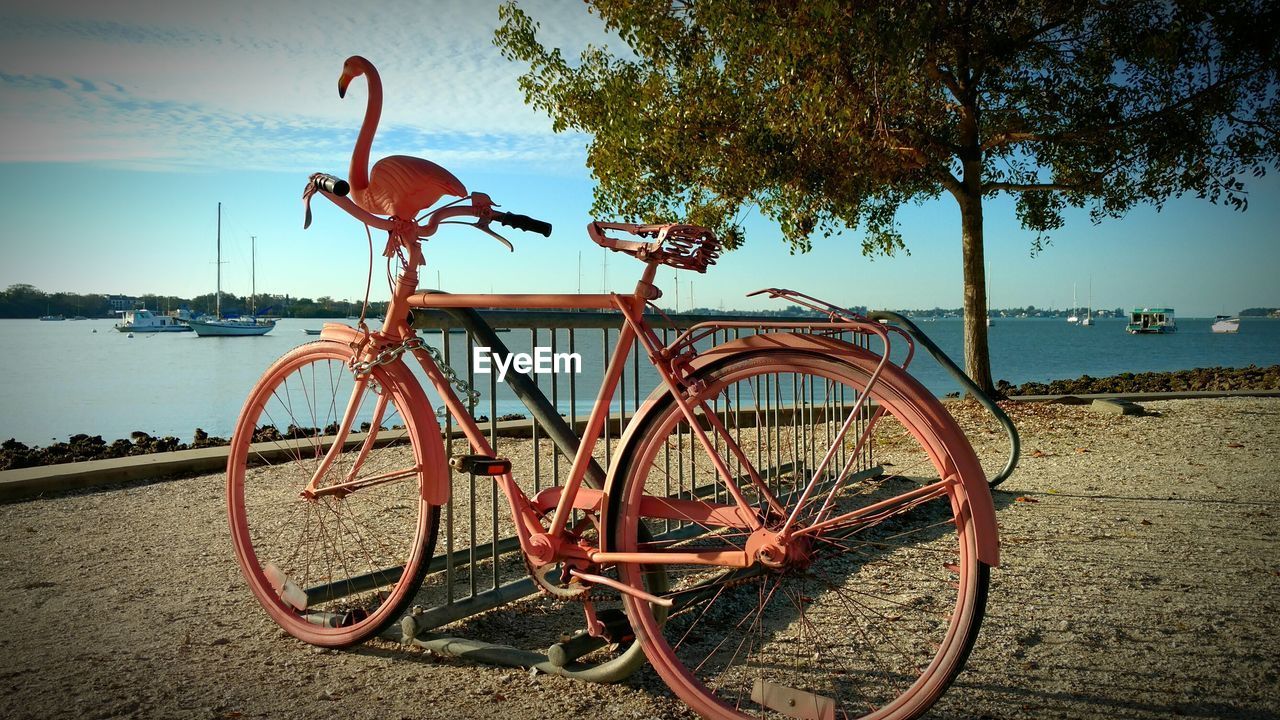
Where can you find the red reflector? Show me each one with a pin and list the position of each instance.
(497, 469)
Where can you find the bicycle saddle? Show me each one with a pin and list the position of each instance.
(686, 247)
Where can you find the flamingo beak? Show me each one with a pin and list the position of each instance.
(343, 82)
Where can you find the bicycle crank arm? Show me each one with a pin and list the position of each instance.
(621, 587)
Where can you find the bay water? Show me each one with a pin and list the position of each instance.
(69, 377)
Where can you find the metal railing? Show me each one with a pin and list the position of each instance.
(478, 565)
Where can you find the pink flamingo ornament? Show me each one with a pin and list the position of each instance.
(399, 185)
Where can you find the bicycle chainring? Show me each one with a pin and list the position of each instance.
(553, 578)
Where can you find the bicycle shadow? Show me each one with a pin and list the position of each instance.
(870, 567)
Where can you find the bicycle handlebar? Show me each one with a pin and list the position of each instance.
(331, 184)
(524, 222)
(481, 208)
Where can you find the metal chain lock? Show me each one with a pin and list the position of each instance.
(470, 396)
(389, 354)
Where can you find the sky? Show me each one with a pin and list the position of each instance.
(124, 124)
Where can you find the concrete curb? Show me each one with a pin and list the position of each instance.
(35, 482)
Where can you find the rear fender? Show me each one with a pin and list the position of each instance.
(974, 496)
(421, 423)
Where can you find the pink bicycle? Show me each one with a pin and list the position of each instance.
(828, 558)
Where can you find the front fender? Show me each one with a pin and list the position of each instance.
(975, 495)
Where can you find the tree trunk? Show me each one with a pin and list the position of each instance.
(977, 357)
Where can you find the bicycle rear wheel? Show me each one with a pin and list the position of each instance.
(336, 567)
(872, 616)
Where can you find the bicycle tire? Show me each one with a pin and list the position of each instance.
(850, 626)
(357, 559)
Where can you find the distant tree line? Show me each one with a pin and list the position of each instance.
(1028, 311)
(25, 301)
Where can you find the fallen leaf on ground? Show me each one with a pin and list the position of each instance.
(1024, 498)
(1038, 453)
(1145, 522)
(1234, 445)
(1082, 450)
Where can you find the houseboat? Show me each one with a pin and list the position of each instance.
(145, 321)
(1143, 321)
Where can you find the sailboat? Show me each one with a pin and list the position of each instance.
(1087, 320)
(1073, 318)
(988, 274)
(239, 326)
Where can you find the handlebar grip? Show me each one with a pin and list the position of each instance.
(331, 184)
(524, 222)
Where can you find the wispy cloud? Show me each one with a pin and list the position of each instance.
(253, 85)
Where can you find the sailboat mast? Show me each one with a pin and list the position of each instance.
(253, 277)
(218, 302)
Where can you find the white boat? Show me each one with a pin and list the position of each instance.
(145, 321)
(1073, 318)
(232, 327)
(1225, 325)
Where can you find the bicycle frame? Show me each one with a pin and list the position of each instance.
(395, 330)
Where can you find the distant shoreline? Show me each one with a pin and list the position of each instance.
(82, 447)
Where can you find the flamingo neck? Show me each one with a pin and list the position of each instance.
(359, 174)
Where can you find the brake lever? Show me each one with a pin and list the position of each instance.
(485, 229)
(496, 236)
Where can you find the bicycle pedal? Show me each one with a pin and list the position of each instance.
(617, 628)
(484, 465)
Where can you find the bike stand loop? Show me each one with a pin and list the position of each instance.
(1015, 443)
(415, 629)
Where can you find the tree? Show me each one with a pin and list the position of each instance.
(828, 115)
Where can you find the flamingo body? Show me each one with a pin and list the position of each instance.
(403, 186)
(399, 185)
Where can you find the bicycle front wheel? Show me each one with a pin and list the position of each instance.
(332, 533)
(868, 607)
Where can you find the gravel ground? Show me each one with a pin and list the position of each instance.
(1140, 579)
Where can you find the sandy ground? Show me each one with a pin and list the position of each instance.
(1140, 579)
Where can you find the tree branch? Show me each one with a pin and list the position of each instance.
(1029, 187)
(946, 79)
(1085, 136)
(1013, 138)
(949, 182)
